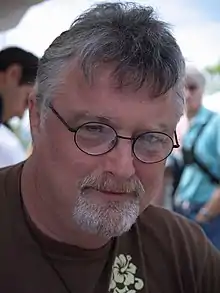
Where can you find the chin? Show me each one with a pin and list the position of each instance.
(107, 219)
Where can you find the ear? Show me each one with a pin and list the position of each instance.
(13, 74)
(35, 121)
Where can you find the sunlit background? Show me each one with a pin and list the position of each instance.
(196, 25)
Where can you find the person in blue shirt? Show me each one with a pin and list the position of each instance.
(197, 195)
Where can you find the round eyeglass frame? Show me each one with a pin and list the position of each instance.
(117, 137)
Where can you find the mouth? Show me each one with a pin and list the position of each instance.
(110, 193)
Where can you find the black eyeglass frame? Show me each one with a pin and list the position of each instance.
(117, 136)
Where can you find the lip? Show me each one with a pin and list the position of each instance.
(110, 193)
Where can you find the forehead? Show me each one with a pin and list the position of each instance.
(192, 80)
(103, 98)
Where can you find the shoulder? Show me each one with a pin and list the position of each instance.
(10, 180)
(6, 134)
(210, 116)
(214, 126)
(216, 119)
(168, 225)
(178, 242)
(8, 138)
(9, 176)
(11, 150)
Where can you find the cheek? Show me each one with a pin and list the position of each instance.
(64, 167)
(151, 177)
(80, 165)
(73, 164)
(150, 173)
(196, 98)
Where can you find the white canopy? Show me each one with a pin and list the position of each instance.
(11, 12)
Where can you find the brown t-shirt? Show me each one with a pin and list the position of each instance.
(162, 253)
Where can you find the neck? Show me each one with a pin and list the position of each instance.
(49, 218)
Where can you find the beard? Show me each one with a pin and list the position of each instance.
(110, 219)
(107, 218)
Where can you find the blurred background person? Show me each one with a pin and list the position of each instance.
(18, 69)
(196, 167)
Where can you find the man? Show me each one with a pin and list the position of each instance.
(18, 70)
(76, 216)
(198, 191)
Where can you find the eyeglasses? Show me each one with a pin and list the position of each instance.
(97, 139)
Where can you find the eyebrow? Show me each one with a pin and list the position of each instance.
(79, 116)
(162, 127)
(83, 116)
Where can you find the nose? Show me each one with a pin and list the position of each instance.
(120, 160)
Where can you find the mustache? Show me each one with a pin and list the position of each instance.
(109, 183)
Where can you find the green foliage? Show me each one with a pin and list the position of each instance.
(214, 69)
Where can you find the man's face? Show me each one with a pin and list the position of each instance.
(101, 194)
(193, 94)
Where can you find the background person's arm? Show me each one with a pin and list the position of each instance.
(211, 209)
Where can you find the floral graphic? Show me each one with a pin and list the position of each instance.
(123, 279)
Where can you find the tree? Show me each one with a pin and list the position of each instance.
(214, 69)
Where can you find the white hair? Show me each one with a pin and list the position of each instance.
(194, 74)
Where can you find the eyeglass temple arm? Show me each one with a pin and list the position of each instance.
(176, 143)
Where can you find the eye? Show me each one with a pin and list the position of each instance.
(93, 128)
(151, 138)
(96, 130)
(153, 142)
(93, 134)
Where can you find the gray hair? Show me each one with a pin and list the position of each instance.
(193, 74)
(140, 47)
